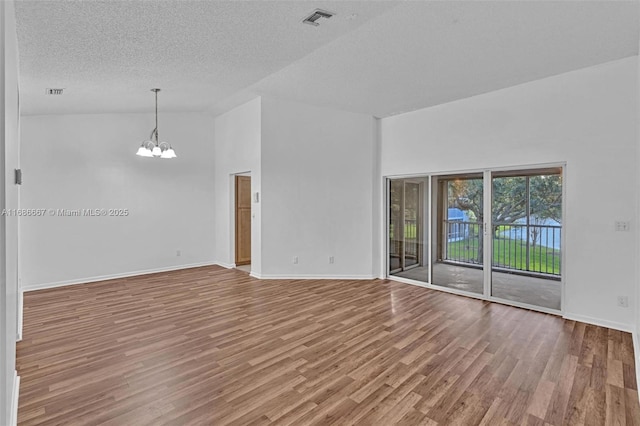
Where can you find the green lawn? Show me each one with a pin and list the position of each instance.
(509, 253)
(410, 231)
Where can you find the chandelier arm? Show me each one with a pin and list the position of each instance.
(153, 132)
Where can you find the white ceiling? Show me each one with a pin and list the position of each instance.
(375, 57)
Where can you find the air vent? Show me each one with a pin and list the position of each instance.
(316, 15)
(54, 91)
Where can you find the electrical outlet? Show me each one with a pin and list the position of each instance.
(331, 259)
(295, 260)
(623, 301)
(178, 253)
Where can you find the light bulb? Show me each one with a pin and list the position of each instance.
(156, 151)
(143, 151)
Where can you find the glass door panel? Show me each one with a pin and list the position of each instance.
(412, 225)
(458, 219)
(396, 225)
(526, 214)
(407, 228)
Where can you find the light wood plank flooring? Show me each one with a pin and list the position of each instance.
(210, 346)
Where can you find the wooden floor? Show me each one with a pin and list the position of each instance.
(210, 346)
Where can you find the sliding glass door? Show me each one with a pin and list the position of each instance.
(407, 230)
(459, 262)
(494, 234)
(526, 214)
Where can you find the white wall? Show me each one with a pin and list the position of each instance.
(379, 207)
(236, 137)
(9, 160)
(636, 336)
(588, 118)
(89, 162)
(317, 173)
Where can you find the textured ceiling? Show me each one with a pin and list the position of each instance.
(108, 54)
(389, 58)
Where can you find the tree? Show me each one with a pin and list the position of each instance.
(546, 197)
(545, 203)
(467, 195)
(510, 199)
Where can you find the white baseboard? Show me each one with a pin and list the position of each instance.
(13, 415)
(32, 287)
(600, 322)
(312, 277)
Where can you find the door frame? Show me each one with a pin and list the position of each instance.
(488, 242)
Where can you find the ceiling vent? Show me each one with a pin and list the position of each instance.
(316, 15)
(54, 91)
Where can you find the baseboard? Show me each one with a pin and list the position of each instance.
(13, 415)
(33, 287)
(600, 322)
(312, 277)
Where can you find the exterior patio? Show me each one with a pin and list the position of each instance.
(515, 287)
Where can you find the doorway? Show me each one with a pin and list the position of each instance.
(243, 221)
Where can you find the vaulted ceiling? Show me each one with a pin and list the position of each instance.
(374, 57)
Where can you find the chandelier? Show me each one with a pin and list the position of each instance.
(153, 148)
